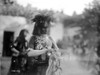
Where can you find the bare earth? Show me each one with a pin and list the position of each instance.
(69, 64)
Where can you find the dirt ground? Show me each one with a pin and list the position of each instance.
(5, 65)
(69, 65)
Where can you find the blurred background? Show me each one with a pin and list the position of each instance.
(75, 28)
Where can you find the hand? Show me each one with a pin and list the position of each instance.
(16, 54)
(29, 49)
(49, 53)
(50, 50)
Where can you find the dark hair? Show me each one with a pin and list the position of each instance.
(21, 37)
(41, 17)
(40, 21)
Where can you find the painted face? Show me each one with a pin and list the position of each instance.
(46, 25)
(45, 29)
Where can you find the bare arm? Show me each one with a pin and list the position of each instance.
(36, 52)
(15, 50)
(33, 52)
(13, 47)
(55, 47)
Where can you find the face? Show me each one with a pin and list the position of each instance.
(46, 25)
(25, 33)
(45, 28)
(42, 27)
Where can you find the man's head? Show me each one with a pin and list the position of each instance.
(42, 24)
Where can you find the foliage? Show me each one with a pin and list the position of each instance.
(88, 21)
(14, 9)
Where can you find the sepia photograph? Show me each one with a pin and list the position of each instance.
(49, 37)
